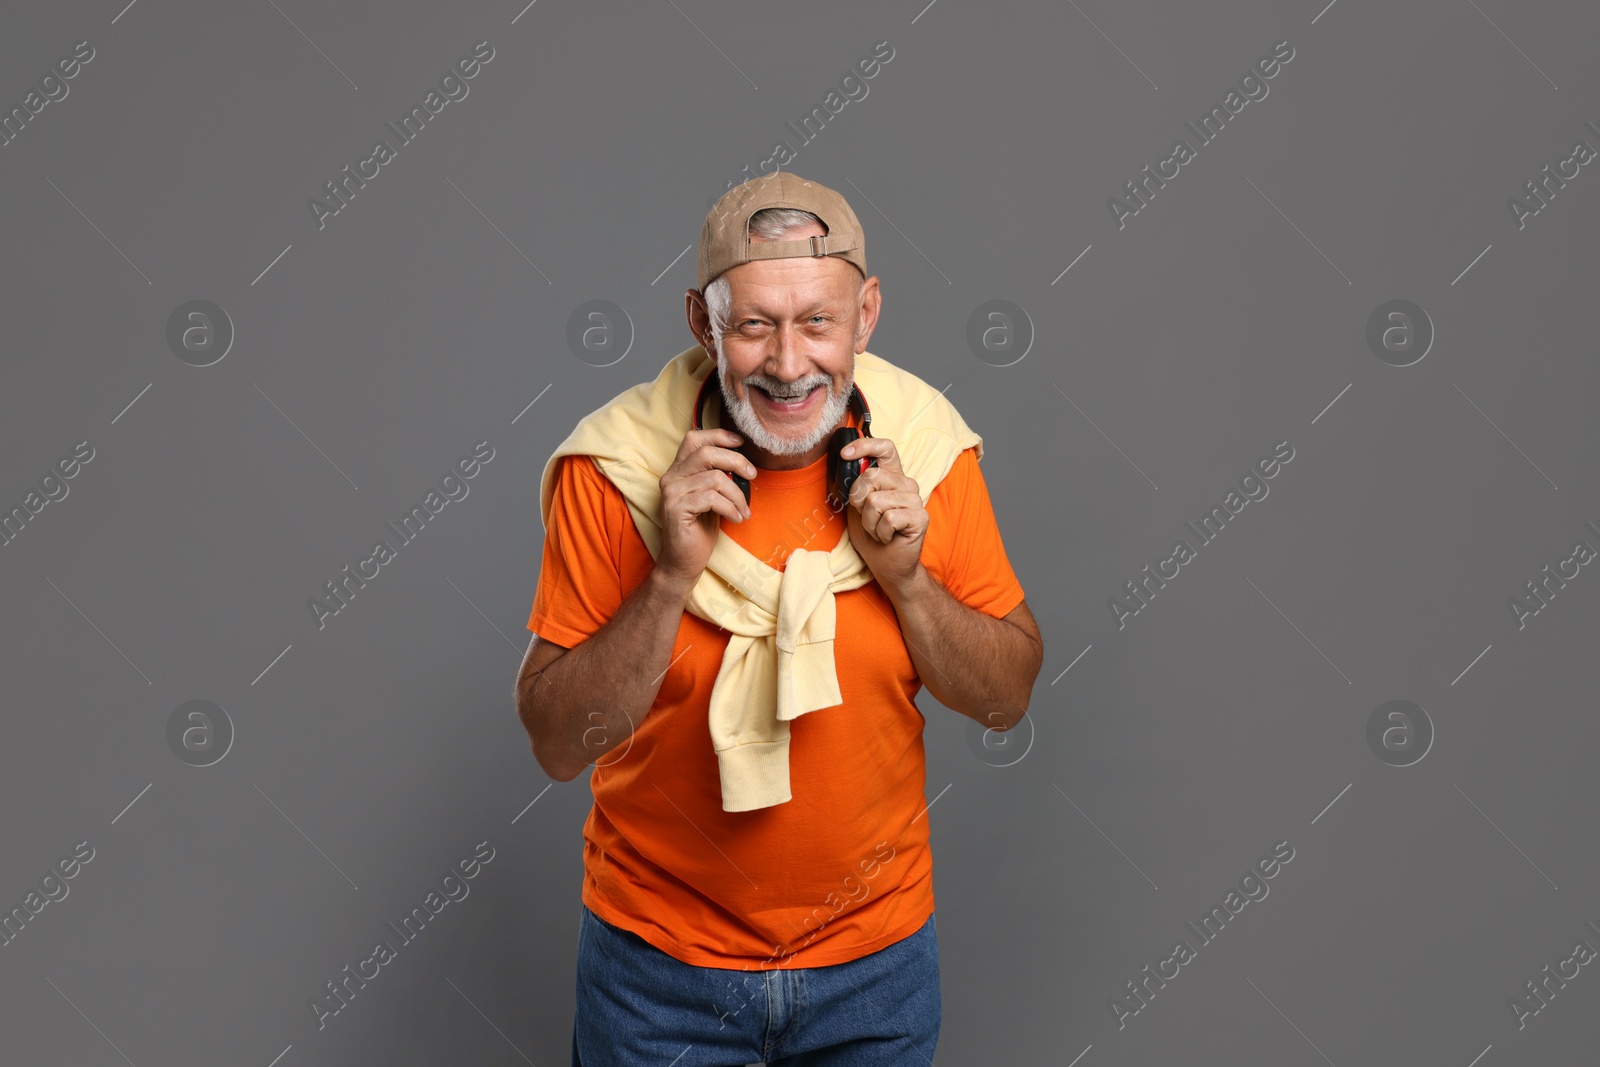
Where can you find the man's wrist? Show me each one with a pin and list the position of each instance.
(669, 587)
(913, 590)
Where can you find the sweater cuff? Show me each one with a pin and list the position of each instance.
(754, 775)
(807, 679)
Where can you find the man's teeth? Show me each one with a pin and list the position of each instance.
(788, 399)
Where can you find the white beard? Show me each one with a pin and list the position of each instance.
(749, 423)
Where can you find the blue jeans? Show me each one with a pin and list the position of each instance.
(639, 1007)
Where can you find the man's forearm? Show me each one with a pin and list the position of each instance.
(590, 700)
(971, 662)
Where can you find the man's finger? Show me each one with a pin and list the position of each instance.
(879, 448)
(894, 521)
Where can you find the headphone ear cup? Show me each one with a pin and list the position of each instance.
(837, 492)
(842, 473)
(738, 479)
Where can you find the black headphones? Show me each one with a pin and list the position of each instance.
(842, 473)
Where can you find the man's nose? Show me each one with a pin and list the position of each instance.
(785, 362)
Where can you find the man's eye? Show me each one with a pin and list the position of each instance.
(816, 318)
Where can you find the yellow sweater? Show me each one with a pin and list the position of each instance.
(779, 661)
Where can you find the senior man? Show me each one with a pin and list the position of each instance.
(739, 660)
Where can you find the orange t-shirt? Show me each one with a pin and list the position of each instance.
(842, 869)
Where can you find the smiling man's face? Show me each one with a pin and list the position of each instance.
(786, 360)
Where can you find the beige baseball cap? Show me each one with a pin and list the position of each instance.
(725, 237)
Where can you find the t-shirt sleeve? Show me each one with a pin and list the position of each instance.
(973, 565)
(580, 576)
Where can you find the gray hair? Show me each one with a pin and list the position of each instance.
(771, 223)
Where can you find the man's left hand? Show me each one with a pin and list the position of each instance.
(886, 517)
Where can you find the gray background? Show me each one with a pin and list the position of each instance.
(1228, 315)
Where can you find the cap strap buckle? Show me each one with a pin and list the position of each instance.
(830, 244)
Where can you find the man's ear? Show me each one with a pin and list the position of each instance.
(699, 317)
(867, 313)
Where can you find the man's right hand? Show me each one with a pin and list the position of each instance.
(696, 493)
